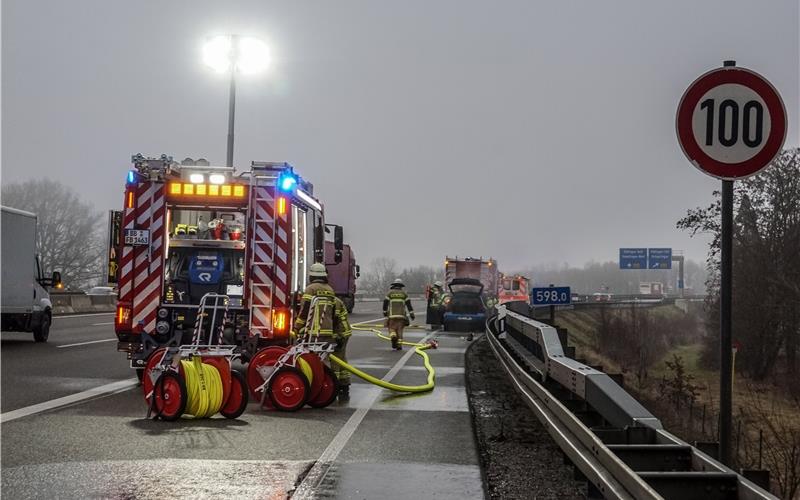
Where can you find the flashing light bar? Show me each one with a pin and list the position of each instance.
(308, 200)
(223, 191)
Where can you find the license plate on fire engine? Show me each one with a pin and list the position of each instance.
(137, 237)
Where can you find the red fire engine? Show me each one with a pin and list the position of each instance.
(513, 288)
(190, 229)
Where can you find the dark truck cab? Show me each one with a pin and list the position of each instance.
(464, 306)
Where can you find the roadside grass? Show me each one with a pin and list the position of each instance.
(765, 406)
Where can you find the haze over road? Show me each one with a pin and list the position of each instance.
(557, 117)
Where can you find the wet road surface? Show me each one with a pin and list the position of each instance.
(377, 445)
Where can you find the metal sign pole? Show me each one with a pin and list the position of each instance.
(725, 344)
(725, 303)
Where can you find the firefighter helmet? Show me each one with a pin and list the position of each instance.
(318, 270)
(438, 284)
(398, 283)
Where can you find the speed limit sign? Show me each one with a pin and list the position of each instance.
(731, 123)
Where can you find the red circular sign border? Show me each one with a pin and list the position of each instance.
(698, 88)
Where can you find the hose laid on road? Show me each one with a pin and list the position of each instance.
(203, 388)
(419, 349)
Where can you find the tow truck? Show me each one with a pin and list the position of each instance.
(191, 229)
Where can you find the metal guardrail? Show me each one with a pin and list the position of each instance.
(620, 447)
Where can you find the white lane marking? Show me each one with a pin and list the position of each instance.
(112, 388)
(85, 343)
(103, 324)
(67, 316)
(312, 481)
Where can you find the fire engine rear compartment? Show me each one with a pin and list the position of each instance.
(205, 254)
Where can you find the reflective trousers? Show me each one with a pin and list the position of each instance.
(342, 375)
(396, 326)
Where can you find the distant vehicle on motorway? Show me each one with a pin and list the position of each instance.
(601, 297)
(101, 290)
(26, 305)
(464, 307)
(576, 298)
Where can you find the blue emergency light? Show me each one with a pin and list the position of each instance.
(130, 177)
(287, 182)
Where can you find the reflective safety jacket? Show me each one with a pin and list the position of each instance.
(436, 297)
(341, 325)
(317, 310)
(396, 304)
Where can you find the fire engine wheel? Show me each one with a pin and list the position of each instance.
(237, 401)
(328, 390)
(288, 389)
(169, 396)
(265, 357)
(314, 364)
(224, 368)
(152, 361)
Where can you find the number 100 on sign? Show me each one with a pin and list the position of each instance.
(551, 296)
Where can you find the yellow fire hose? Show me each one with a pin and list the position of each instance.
(419, 349)
(203, 388)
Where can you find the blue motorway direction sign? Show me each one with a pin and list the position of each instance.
(633, 258)
(659, 258)
(551, 296)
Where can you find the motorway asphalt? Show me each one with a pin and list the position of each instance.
(378, 445)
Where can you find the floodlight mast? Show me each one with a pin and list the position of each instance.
(234, 53)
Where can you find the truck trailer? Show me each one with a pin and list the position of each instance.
(26, 305)
(342, 275)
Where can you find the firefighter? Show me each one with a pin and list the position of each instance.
(490, 301)
(435, 304)
(318, 287)
(397, 308)
(341, 334)
(323, 313)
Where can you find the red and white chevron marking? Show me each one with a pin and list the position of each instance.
(148, 261)
(262, 211)
(126, 253)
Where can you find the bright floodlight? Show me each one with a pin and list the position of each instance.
(253, 55)
(248, 56)
(197, 178)
(217, 53)
(216, 179)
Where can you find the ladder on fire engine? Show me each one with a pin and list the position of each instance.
(261, 213)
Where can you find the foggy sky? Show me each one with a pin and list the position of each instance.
(535, 132)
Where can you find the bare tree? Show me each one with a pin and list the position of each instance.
(69, 236)
(416, 278)
(379, 276)
(766, 294)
